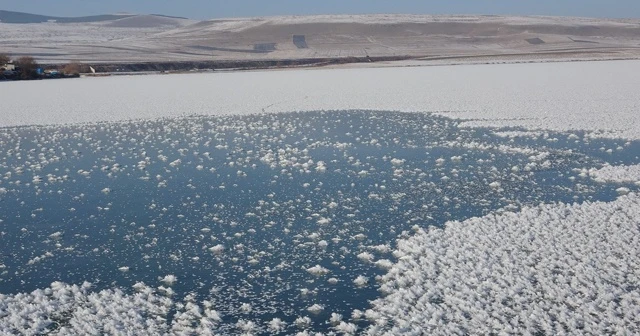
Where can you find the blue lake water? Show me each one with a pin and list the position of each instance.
(120, 203)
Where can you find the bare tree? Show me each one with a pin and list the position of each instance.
(75, 68)
(4, 59)
(27, 66)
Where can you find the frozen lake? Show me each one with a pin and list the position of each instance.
(501, 198)
(281, 216)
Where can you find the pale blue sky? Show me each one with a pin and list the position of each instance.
(204, 9)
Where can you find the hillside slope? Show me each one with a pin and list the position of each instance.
(24, 18)
(149, 38)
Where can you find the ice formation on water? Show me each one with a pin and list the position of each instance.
(546, 270)
(74, 310)
(276, 325)
(622, 173)
(318, 270)
(255, 224)
(361, 281)
(169, 279)
(315, 309)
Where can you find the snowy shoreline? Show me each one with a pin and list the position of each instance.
(597, 97)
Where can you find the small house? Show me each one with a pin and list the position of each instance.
(8, 67)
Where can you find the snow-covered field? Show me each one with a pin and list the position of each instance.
(152, 38)
(537, 269)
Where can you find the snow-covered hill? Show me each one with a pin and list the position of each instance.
(156, 38)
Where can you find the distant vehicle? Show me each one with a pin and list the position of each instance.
(8, 74)
(52, 74)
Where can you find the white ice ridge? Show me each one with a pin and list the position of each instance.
(616, 174)
(599, 97)
(547, 270)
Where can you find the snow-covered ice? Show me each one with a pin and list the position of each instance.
(551, 269)
(79, 310)
(622, 173)
(600, 97)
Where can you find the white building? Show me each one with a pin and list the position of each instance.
(8, 67)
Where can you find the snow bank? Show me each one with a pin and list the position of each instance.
(547, 270)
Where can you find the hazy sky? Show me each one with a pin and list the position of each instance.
(204, 9)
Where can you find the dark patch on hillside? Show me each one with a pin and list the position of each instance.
(256, 49)
(300, 41)
(583, 41)
(265, 47)
(535, 41)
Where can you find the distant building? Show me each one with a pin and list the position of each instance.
(7, 71)
(8, 67)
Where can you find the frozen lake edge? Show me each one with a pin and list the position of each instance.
(598, 97)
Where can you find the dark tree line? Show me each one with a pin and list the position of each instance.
(26, 68)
